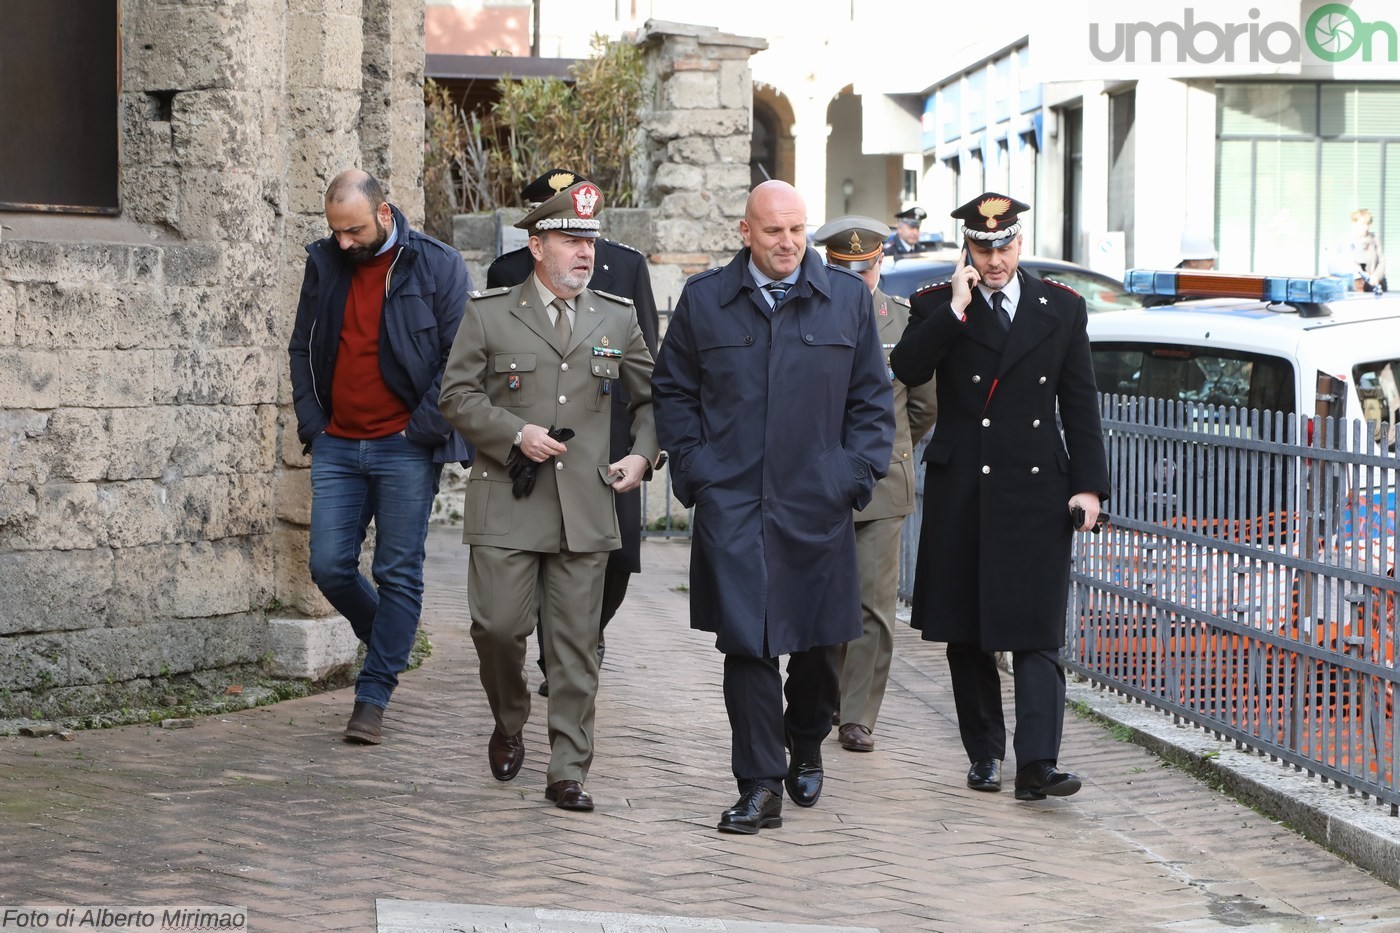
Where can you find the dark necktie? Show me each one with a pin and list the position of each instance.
(999, 306)
(562, 330)
(776, 290)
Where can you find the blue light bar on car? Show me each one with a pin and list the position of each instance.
(1178, 283)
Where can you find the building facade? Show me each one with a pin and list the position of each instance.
(153, 497)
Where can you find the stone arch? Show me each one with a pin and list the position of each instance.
(772, 145)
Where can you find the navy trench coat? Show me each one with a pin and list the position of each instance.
(778, 422)
(1018, 433)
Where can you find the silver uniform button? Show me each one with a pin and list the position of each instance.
(986, 469)
(1035, 423)
(558, 464)
(986, 422)
(563, 399)
(1035, 470)
(564, 367)
(484, 474)
(1042, 380)
(976, 379)
(512, 365)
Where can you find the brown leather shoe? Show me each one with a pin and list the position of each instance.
(856, 738)
(506, 754)
(568, 795)
(365, 725)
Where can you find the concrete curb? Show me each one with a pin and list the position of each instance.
(1359, 830)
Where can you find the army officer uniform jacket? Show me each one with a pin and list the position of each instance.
(504, 372)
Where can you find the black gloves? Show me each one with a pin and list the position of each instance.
(523, 469)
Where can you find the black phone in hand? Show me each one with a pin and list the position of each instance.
(1076, 517)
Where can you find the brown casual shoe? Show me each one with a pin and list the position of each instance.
(568, 795)
(366, 724)
(506, 753)
(856, 738)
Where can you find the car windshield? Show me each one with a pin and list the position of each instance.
(1100, 292)
(1202, 375)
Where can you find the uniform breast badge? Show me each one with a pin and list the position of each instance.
(513, 382)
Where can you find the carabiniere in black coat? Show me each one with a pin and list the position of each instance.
(994, 548)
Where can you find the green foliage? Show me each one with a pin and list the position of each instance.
(456, 178)
(476, 162)
(670, 523)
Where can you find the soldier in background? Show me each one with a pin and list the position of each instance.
(855, 243)
(905, 239)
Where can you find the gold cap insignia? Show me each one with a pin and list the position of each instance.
(992, 208)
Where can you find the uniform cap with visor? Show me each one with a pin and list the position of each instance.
(912, 214)
(549, 184)
(991, 220)
(573, 211)
(853, 242)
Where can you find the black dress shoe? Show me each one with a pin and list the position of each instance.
(985, 774)
(365, 725)
(568, 795)
(506, 753)
(1040, 779)
(759, 808)
(544, 687)
(804, 777)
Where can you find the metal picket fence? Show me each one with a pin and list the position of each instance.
(1247, 583)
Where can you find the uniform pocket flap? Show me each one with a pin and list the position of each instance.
(606, 369)
(514, 362)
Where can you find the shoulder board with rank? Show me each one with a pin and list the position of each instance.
(716, 270)
(492, 292)
(931, 288)
(900, 301)
(1061, 285)
(631, 249)
(618, 298)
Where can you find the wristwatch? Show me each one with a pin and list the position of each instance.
(519, 436)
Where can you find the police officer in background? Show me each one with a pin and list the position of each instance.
(618, 270)
(1018, 449)
(855, 243)
(905, 239)
(529, 381)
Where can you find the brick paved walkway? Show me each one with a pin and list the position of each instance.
(269, 809)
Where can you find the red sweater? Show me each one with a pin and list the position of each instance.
(362, 407)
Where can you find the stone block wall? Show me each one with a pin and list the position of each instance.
(695, 165)
(153, 499)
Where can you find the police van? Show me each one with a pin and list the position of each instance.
(1288, 345)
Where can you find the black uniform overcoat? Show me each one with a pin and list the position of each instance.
(994, 548)
(619, 270)
(778, 423)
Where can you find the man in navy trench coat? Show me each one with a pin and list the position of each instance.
(772, 398)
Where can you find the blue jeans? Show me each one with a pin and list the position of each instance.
(392, 481)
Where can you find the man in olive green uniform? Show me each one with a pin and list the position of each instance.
(530, 364)
(856, 243)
